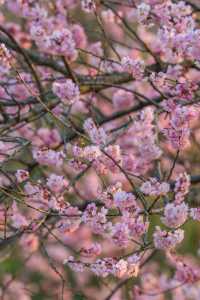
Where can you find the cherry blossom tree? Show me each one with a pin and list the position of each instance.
(99, 149)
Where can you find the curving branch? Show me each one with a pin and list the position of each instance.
(86, 83)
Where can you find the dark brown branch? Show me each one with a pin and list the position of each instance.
(87, 83)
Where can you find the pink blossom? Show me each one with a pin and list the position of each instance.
(18, 220)
(36, 193)
(103, 267)
(61, 42)
(186, 271)
(175, 215)
(89, 213)
(92, 250)
(182, 186)
(47, 157)
(154, 188)
(97, 50)
(124, 200)
(137, 226)
(178, 131)
(107, 195)
(29, 243)
(110, 266)
(74, 265)
(65, 4)
(134, 67)
(139, 142)
(133, 265)
(88, 5)
(120, 234)
(111, 160)
(68, 226)
(32, 10)
(120, 268)
(109, 17)
(97, 135)
(97, 220)
(56, 183)
(71, 222)
(67, 91)
(195, 213)
(22, 175)
(167, 240)
(123, 100)
(49, 138)
(90, 153)
(5, 59)
(142, 12)
(79, 36)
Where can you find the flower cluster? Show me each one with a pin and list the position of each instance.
(108, 266)
(134, 67)
(178, 131)
(175, 215)
(182, 187)
(67, 91)
(154, 188)
(167, 240)
(97, 135)
(47, 157)
(88, 5)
